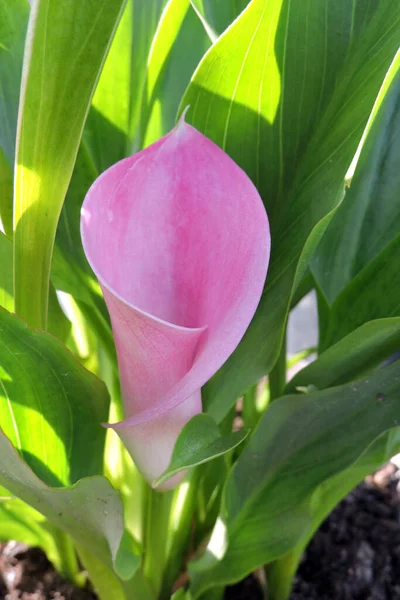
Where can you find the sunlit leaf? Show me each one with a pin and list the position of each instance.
(68, 42)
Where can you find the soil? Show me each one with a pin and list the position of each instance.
(354, 556)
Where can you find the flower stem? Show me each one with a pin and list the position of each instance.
(277, 376)
(67, 562)
(156, 537)
(180, 529)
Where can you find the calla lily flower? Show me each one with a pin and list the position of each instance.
(178, 238)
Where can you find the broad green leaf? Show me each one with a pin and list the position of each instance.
(369, 217)
(287, 91)
(68, 42)
(178, 45)
(13, 22)
(91, 511)
(51, 408)
(356, 354)
(217, 15)
(373, 294)
(269, 493)
(199, 442)
(325, 498)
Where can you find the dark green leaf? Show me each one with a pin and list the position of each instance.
(269, 494)
(355, 354)
(369, 217)
(372, 294)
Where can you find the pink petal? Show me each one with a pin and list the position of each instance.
(179, 240)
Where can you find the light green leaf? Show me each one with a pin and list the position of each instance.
(91, 511)
(373, 294)
(269, 493)
(58, 322)
(369, 217)
(51, 408)
(356, 354)
(19, 521)
(199, 442)
(68, 42)
(287, 91)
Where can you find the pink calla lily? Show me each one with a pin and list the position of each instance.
(178, 238)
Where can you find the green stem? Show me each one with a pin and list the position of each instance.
(250, 413)
(67, 562)
(103, 579)
(156, 538)
(277, 377)
(180, 529)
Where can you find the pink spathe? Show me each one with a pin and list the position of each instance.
(179, 240)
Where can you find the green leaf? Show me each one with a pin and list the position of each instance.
(178, 45)
(199, 442)
(269, 493)
(217, 15)
(325, 498)
(68, 42)
(6, 194)
(51, 408)
(369, 217)
(356, 354)
(19, 521)
(6, 273)
(287, 91)
(58, 322)
(91, 511)
(13, 22)
(372, 294)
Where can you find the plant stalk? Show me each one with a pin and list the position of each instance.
(156, 538)
(277, 376)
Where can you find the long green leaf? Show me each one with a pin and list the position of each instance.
(369, 217)
(269, 494)
(287, 91)
(372, 294)
(67, 45)
(357, 353)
